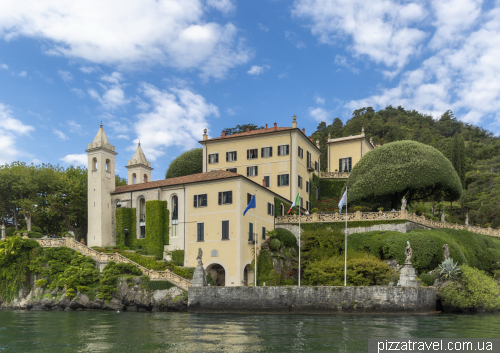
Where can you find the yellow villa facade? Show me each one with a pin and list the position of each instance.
(345, 152)
(281, 158)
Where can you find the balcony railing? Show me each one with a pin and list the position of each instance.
(334, 175)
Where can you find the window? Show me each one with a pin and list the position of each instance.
(200, 200)
(317, 193)
(281, 209)
(252, 154)
(134, 178)
(200, 230)
(266, 152)
(283, 180)
(234, 170)
(225, 229)
(301, 152)
(263, 233)
(252, 171)
(316, 166)
(283, 150)
(249, 198)
(268, 181)
(175, 215)
(250, 231)
(225, 197)
(301, 203)
(308, 206)
(308, 187)
(231, 156)
(94, 164)
(213, 158)
(345, 165)
(142, 217)
(145, 178)
(270, 209)
(118, 204)
(308, 159)
(300, 182)
(108, 165)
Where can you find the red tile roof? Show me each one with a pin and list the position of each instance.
(193, 178)
(249, 133)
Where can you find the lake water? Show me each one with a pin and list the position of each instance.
(97, 331)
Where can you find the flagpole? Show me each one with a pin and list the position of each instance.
(256, 238)
(345, 250)
(299, 241)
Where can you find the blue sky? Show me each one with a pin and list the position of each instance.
(162, 71)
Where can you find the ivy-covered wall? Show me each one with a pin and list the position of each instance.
(313, 200)
(157, 227)
(125, 219)
(277, 203)
(331, 188)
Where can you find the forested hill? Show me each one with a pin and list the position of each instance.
(474, 151)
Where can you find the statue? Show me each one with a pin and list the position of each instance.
(200, 254)
(409, 253)
(443, 217)
(446, 252)
(403, 203)
(2, 229)
(467, 219)
(329, 136)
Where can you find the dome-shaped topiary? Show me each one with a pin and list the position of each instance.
(275, 244)
(403, 168)
(190, 162)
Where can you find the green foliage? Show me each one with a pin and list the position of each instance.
(427, 278)
(285, 237)
(313, 200)
(314, 210)
(210, 280)
(403, 168)
(350, 224)
(332, 188)
(362, 270)
(159, 285)
(41, 283)
(178, 257)
(126, 219)
(110, 274)
(190, 162)
(474, 290)
(10, 231)
(145, 261)
(157, 227)
(242, 128)
(186, 272)
(31, 234)
(277, 203)
(449, 270)
(275, 244)
(321, 243)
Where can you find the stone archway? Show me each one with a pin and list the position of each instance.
(218, 274)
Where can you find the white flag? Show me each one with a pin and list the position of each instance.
(343, 201)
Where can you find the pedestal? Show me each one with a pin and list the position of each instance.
(407, 277)
(199, 277)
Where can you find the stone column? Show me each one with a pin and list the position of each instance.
(2, 229)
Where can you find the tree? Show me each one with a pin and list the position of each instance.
(242, 128)
(403, 168)
(190, 162)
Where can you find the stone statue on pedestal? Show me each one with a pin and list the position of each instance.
(407, 277)
(443, 217)
(199, 277)
(403, 204)
(2, 229)
(409, 253)
(446, 252)
(467, 219)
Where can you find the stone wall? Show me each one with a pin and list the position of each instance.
(401, 227)
(371, 299)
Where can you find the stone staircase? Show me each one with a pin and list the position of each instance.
(103, 258)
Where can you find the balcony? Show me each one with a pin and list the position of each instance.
(334, 175)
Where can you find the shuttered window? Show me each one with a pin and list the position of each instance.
(300, 182)
(283, 150)
(200, 200)
(345, 165)
(225, 197)
(283, 180)
(231, 156)
(301, 152)
(252, 171)
(213, 158)
(266, 152)
(308, 159)
(270, 209)
(263, 233)
(252, 154)
(225, 229)
(268, 181)
(250, 231)
(201, 231)
(234, 170)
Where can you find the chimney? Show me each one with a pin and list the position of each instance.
(294, 124)
(205, 137)
(248, 128)
(223, 133)
(264, 183)
(304, 130)
(275, 126)
(311, 138)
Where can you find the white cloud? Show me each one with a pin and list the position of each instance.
(65, 75)
(130, 33)
(22, 74)
(113, 96)
(319, 100)
(88, 69)
(60, 134)
(79, 92)
(177, 118)
(76, 159)
(319, 114)
(224, 6)
(258, 70)
(342, 61)
(294, 39)
(262, 27)
(74, 126)
(383, 30)
(10, 129)
(231, 111)
(124, 137)
(4, 66)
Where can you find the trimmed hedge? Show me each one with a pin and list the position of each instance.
(125, 219)
(190, 162)
(285, 237)
(157, 227)
(31, 234)
(314, 188)
(331, 188)
(350, 224)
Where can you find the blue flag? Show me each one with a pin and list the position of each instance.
(252, 204)
(343, 201)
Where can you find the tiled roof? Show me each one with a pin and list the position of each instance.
(193, 178)
(249, 133)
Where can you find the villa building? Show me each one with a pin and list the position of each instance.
(345, 152)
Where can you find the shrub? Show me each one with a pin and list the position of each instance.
(145, 261)
(286, 237)
(157, 230)
(190, 162)
(275, 244)
(186, 272)
(210, 280)
(320, 244)
(474, 290)
(331, 188)
(449, 270)
(362, 270)
(427, 278)
(314, 210)
(41, 283)
(358, 208)
(31, 234)
(10, 231)
(178, 257)
(110, 274)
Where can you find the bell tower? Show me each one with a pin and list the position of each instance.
(139, 169)
(101, 183)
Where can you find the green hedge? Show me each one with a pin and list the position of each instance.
(159, 285)
(315, 181)
(331, 188)
(350, 224)
(157, 227)
(277, 203)
(31, 234)
(125, 219)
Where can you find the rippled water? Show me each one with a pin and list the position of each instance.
(96, 331)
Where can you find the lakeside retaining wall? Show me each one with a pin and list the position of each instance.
(372, 299)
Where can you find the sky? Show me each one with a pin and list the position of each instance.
(161, 71)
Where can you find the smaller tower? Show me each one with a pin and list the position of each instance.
(139, 169)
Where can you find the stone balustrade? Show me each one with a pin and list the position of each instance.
(334, 175)
(382, 216)
(100, 257)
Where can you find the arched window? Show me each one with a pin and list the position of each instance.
(145, 179)
(134, 179)
(175, 215)
(118, 204)
(94, 164)
(107, 165)
(282, 211)
(142, 217)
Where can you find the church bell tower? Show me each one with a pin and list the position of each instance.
(101, 183)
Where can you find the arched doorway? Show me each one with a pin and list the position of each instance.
(218, 273)
(248, 276)
(282, 209)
